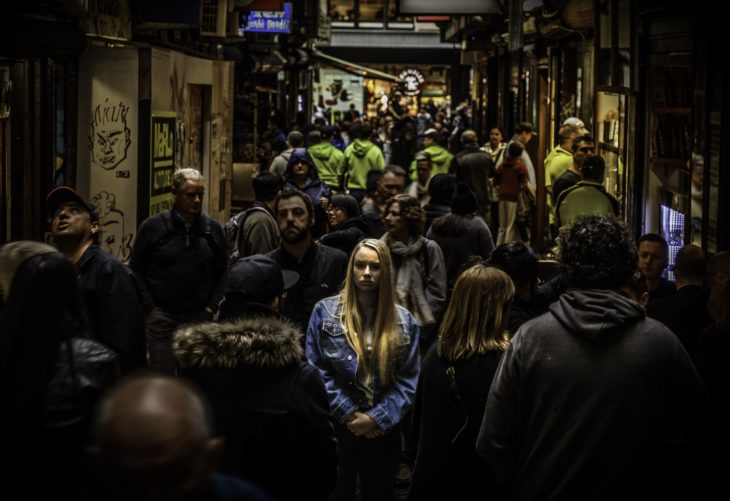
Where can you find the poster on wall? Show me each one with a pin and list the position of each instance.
(162, 161)
(336, 92)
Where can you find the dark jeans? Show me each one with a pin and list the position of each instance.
(374, 460)
(159, 328)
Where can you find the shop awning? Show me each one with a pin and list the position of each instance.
(354, 68)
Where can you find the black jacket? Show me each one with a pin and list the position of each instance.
(346, 238)
(48, 459)
(474, 167)
(448, 418)
(180, 269)
(321, 275)
(685, 313)
(269, 404)
(112, 305)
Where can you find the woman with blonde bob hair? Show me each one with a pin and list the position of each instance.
(455, 379)
(366, 349)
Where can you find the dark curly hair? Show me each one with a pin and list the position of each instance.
(410, 209)
(597, 252)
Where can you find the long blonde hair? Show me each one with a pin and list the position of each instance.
(386, 319)
(474, 321)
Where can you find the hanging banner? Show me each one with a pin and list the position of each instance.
(163, 160)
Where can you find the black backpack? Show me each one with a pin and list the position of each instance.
(234, 229)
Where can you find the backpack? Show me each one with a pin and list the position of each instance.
(233, 230)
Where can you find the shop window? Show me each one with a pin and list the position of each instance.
(367, 14)
(342, 12)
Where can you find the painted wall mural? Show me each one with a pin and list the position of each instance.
(114, 239)
(107, 144)
(110, 137)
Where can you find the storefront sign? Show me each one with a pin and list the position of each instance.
(411, 81)
(163, 161)
(269, 21)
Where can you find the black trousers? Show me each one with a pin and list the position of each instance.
(160, 326)
(374, 460)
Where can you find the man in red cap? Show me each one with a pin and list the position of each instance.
(108, 292)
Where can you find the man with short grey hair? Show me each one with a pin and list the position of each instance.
(179, 259)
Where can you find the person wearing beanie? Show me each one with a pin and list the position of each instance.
(461, 233)
(268, 403)
(108, 291)
(302, 175)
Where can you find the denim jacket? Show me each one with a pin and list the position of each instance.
(328, 349)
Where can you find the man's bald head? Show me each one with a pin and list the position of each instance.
(153, 437)
(469, 137)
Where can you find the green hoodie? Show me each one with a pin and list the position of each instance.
(440, 161)
(360, 157)
(329, 162)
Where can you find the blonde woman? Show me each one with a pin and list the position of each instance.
(456, 375)
(366, 349)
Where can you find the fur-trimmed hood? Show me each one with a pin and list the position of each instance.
(261, 341)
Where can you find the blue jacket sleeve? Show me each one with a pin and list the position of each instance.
(341, 406)
(397, 399)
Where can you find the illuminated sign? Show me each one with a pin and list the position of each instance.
(411, 81)
(269, 21)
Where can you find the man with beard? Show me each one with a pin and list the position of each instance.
(321, 269)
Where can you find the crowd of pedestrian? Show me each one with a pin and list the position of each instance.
(359, 329)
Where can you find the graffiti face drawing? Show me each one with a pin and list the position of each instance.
(110, 136)
(113, 239)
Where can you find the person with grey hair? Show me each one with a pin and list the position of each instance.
(593, 400)
(154, 439)
(179, 259)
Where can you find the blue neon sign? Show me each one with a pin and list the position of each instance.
(269, 21)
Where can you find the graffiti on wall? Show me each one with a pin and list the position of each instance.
(113, 238)
(110, 138)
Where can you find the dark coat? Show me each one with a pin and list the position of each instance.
(269, 404)
(347, 237)
(685, 313)
(112, 306)
(666, 288)
(594, 401)
(49, 459)
(321, 275)
(474, 167)
(459, 238)
(447, 465)
(180, 269)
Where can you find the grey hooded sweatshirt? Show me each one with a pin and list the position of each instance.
(593, 400)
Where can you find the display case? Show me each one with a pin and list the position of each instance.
(611, 139)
